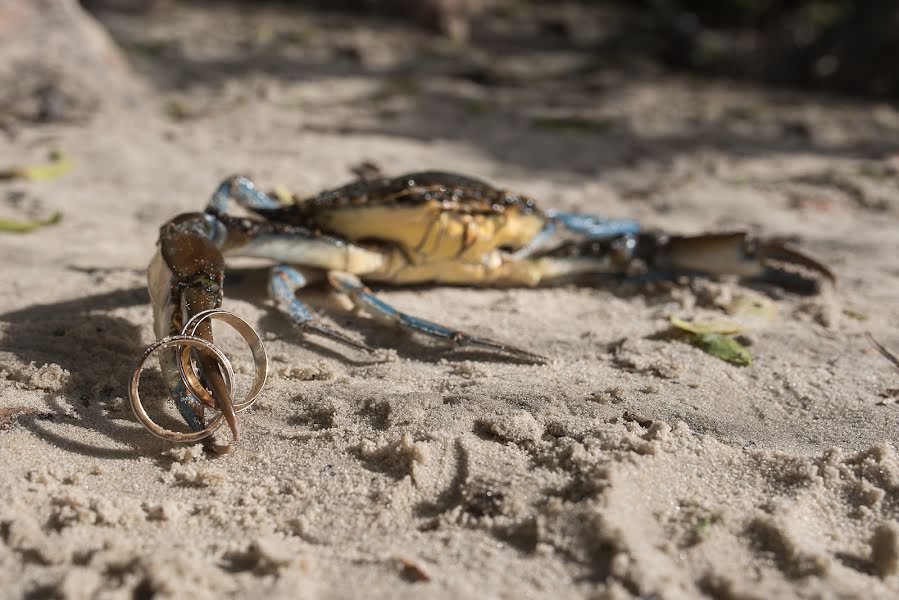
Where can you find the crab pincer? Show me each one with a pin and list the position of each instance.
(735, 253)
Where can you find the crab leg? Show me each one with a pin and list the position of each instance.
(191, 409)
(589, 227)
(244, 191)
(363, 297)
(282, 242)
(594, 227)
(283, 284)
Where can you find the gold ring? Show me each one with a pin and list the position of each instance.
(260, 358)
(138, 407)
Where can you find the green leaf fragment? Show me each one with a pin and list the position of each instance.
(854, 314)
(59, 165)
(724, 347)
(176, 110)
(703, 528)
(710, 326)
(757, 310)
(18, 226)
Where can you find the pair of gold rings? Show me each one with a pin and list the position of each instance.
(185, 341)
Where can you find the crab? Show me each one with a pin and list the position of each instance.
(420, 228)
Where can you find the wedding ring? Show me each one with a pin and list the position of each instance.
(185, 341)
(260, 358)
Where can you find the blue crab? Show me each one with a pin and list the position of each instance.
(429, 227)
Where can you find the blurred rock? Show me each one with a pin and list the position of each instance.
(59, 64)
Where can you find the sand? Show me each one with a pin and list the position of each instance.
(633, 465)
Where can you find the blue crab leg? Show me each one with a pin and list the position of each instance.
(244, 191)
(590, 227)
(594, 227)
(364, 298)
(284, 282)
(187, 404)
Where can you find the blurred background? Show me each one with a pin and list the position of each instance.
(840, 45)
(645, 95)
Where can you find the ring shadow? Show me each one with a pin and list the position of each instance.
(47, 333)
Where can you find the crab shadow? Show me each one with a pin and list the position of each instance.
(97, 348)
(250, 285)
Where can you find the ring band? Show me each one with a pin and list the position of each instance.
(260, 358)
(138, 408)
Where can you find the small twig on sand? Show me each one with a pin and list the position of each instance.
(883, 350)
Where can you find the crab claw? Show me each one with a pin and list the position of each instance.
(190, 262)
(780, 251)
(223, 400)
(737, 253)
(211, 375)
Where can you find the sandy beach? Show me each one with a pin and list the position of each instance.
(633, 465)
